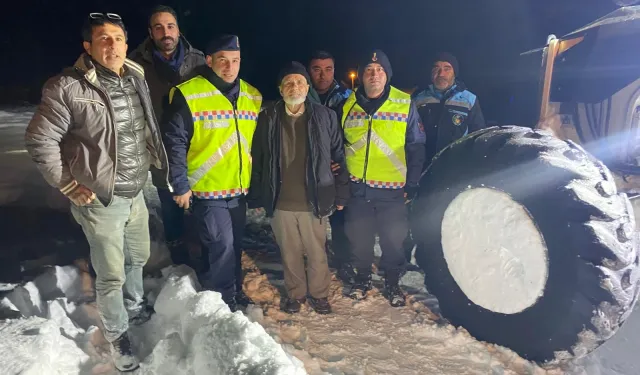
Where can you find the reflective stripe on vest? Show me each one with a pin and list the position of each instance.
(219, 157)
(374, 146)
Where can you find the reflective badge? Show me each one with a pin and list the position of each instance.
(237, 42)
(457, 119)
(374, 58)
(355, 123)
(216, 124)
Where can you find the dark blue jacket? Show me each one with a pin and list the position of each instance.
(414, 151)
(336, 96)
(177, 131)
(447, 116)
(324, 190)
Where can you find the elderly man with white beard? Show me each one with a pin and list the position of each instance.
(293, 147)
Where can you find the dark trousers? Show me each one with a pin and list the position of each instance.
(220, 226)
(339, 241)
(387, 218)
(173, 222)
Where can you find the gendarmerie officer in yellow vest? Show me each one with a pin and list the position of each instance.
(208, 130)
(384, 149)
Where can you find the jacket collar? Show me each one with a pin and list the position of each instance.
(147, 47)
(87, 68)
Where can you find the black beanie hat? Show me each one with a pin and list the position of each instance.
(379, 57)
(293, 67)
(223, 43)
(448, 57)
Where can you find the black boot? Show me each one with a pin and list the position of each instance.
(292, 305)
(143, 316)
(347, 274)
(361, 285)
(179, 252)
(242, 299)
(122, 354)
(320, 305)
(392, 290)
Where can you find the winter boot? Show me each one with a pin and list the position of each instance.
(143, 316)
(361, 285)
(320, 305)
(347, 274)
(242, 299)
(178, 251)
(392, 290)
(293, 306)
(122, 354)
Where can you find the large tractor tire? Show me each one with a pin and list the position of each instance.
(526, 243)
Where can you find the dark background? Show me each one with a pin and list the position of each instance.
(39, 38)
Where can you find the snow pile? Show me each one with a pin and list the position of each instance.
(191, 333)
(202, 336)
(37, 346)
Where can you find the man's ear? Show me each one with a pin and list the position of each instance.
(150, 33)
(87, 47)
(209, 61)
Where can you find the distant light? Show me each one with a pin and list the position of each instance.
(352, 75)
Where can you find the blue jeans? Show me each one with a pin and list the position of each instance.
(118, 237)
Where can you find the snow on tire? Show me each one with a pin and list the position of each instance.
(526, 243)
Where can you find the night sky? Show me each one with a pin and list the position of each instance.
(39, 38)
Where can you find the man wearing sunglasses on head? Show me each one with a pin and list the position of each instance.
(93, 137)
(168, 60)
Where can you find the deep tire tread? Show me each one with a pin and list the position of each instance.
(602, 251)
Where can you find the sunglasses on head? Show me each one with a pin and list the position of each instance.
(102, 16)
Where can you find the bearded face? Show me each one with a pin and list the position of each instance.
(165, 32)
(294, 89)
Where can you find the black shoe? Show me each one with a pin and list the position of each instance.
(143, 316)
(179, 252)
(293, 306)
(347, 274)
(122, 354)
(243, 300)
(320, 305)
(394, 294)
(361, 286)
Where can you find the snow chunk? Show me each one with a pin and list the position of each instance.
(27, 299)
(35, 346)
(202, 336)
(58, 282)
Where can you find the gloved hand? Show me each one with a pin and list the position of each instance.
(410, 192)
(78, 194)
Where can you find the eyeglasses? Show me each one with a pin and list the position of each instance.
(102, 16)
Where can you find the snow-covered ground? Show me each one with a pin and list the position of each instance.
(193, 332)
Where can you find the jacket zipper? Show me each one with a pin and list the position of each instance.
(329, 96)
(135, 137)
(366, 155)
(115, 143)
(235, 118)
(312, 200)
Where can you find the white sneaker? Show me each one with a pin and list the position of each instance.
(123, 357)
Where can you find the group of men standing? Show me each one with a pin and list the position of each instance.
(322, 152)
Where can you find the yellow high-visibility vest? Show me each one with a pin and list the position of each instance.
(374, 146)
(219, 157)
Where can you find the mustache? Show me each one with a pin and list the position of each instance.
(167, 38)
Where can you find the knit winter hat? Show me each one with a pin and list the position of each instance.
(448, 57)
(293, 67)
(378, 57)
